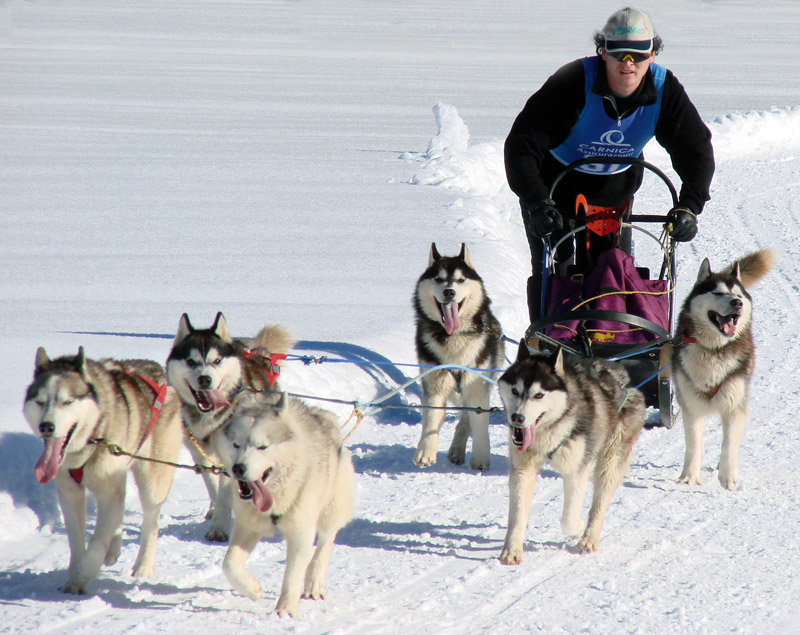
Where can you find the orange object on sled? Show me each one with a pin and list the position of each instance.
(601, 220)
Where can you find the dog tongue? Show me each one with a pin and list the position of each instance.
(450, 317)
(211, 399)
(727, 323)
(262, 498)
(528, 437)
(47, 465)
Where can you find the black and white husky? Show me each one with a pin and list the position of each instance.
(455, 326)
(713, 357)
(584, 420)
(212, 373)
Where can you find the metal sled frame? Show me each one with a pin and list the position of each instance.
(647, 362)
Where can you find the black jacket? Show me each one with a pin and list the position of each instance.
(551, 112)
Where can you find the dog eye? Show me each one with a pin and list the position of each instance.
(461, 280)
(217, 361)
(191, 363)
(438, 280)
(539, 395)
(515, 392)
(235, 446)
(41, 403)
(262, 447)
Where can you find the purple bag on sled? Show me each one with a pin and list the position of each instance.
(616, 271)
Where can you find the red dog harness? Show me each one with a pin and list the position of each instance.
(155, 412)
(270, 362)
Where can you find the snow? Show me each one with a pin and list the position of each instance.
(292, 162)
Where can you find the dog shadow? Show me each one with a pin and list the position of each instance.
(386, 373)
(18, 455)
(419, 537)
(398, 459)
(16, 587)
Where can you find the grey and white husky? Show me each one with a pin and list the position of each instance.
(455, 326)
(584, 420)
(713, 357)
(293, 473)
(212, 372)
(79, 407)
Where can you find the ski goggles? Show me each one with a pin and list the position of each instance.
(624, 56)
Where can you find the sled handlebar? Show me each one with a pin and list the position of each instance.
(621, 161)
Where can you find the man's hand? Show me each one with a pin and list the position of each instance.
(681, 224)
(542, 218)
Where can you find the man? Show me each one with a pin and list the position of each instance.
(610, 104)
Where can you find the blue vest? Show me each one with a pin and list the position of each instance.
(597, 134)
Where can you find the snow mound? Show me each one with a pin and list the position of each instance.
(450, 161)
(739, 135)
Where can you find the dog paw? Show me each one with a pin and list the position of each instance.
(587, 544)
(511, 556)
(142, 570)
(73, 588)
(479, 463)
(217, 535)
(210, 513)
(685, 479)
(424, 459)
(113, 551)
(457, 456)
(728, 481)
(284, 608)
(315, 594)
(573, 529)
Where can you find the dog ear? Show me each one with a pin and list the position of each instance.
(523, 352)
(220, 328)
(558, 362)
(464, 255)
(42, 360)
(80, 362)
(185, 328)
(705, 270)
(736, 272)
(280, 405)
(434, 255)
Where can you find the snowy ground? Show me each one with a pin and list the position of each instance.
(280, 161)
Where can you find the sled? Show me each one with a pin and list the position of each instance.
(597, 303)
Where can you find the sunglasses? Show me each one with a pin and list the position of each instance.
(624, 56)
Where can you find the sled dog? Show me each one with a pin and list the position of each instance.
(455, 326)
(292, 473)
(80, 408)
(212, 372)
(584, 419)
(713, 358)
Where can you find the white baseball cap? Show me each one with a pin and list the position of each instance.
(629, 30)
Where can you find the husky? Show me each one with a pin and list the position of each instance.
(455, 326)
(583, 418)
(712, 360)
(293, 473)
(81, 409)
(212, 372)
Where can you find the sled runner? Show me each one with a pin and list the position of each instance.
(596, 302)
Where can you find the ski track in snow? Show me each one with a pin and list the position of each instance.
(440, 568)
(420, 554)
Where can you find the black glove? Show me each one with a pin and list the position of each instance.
(542, 218)
(683, 223)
